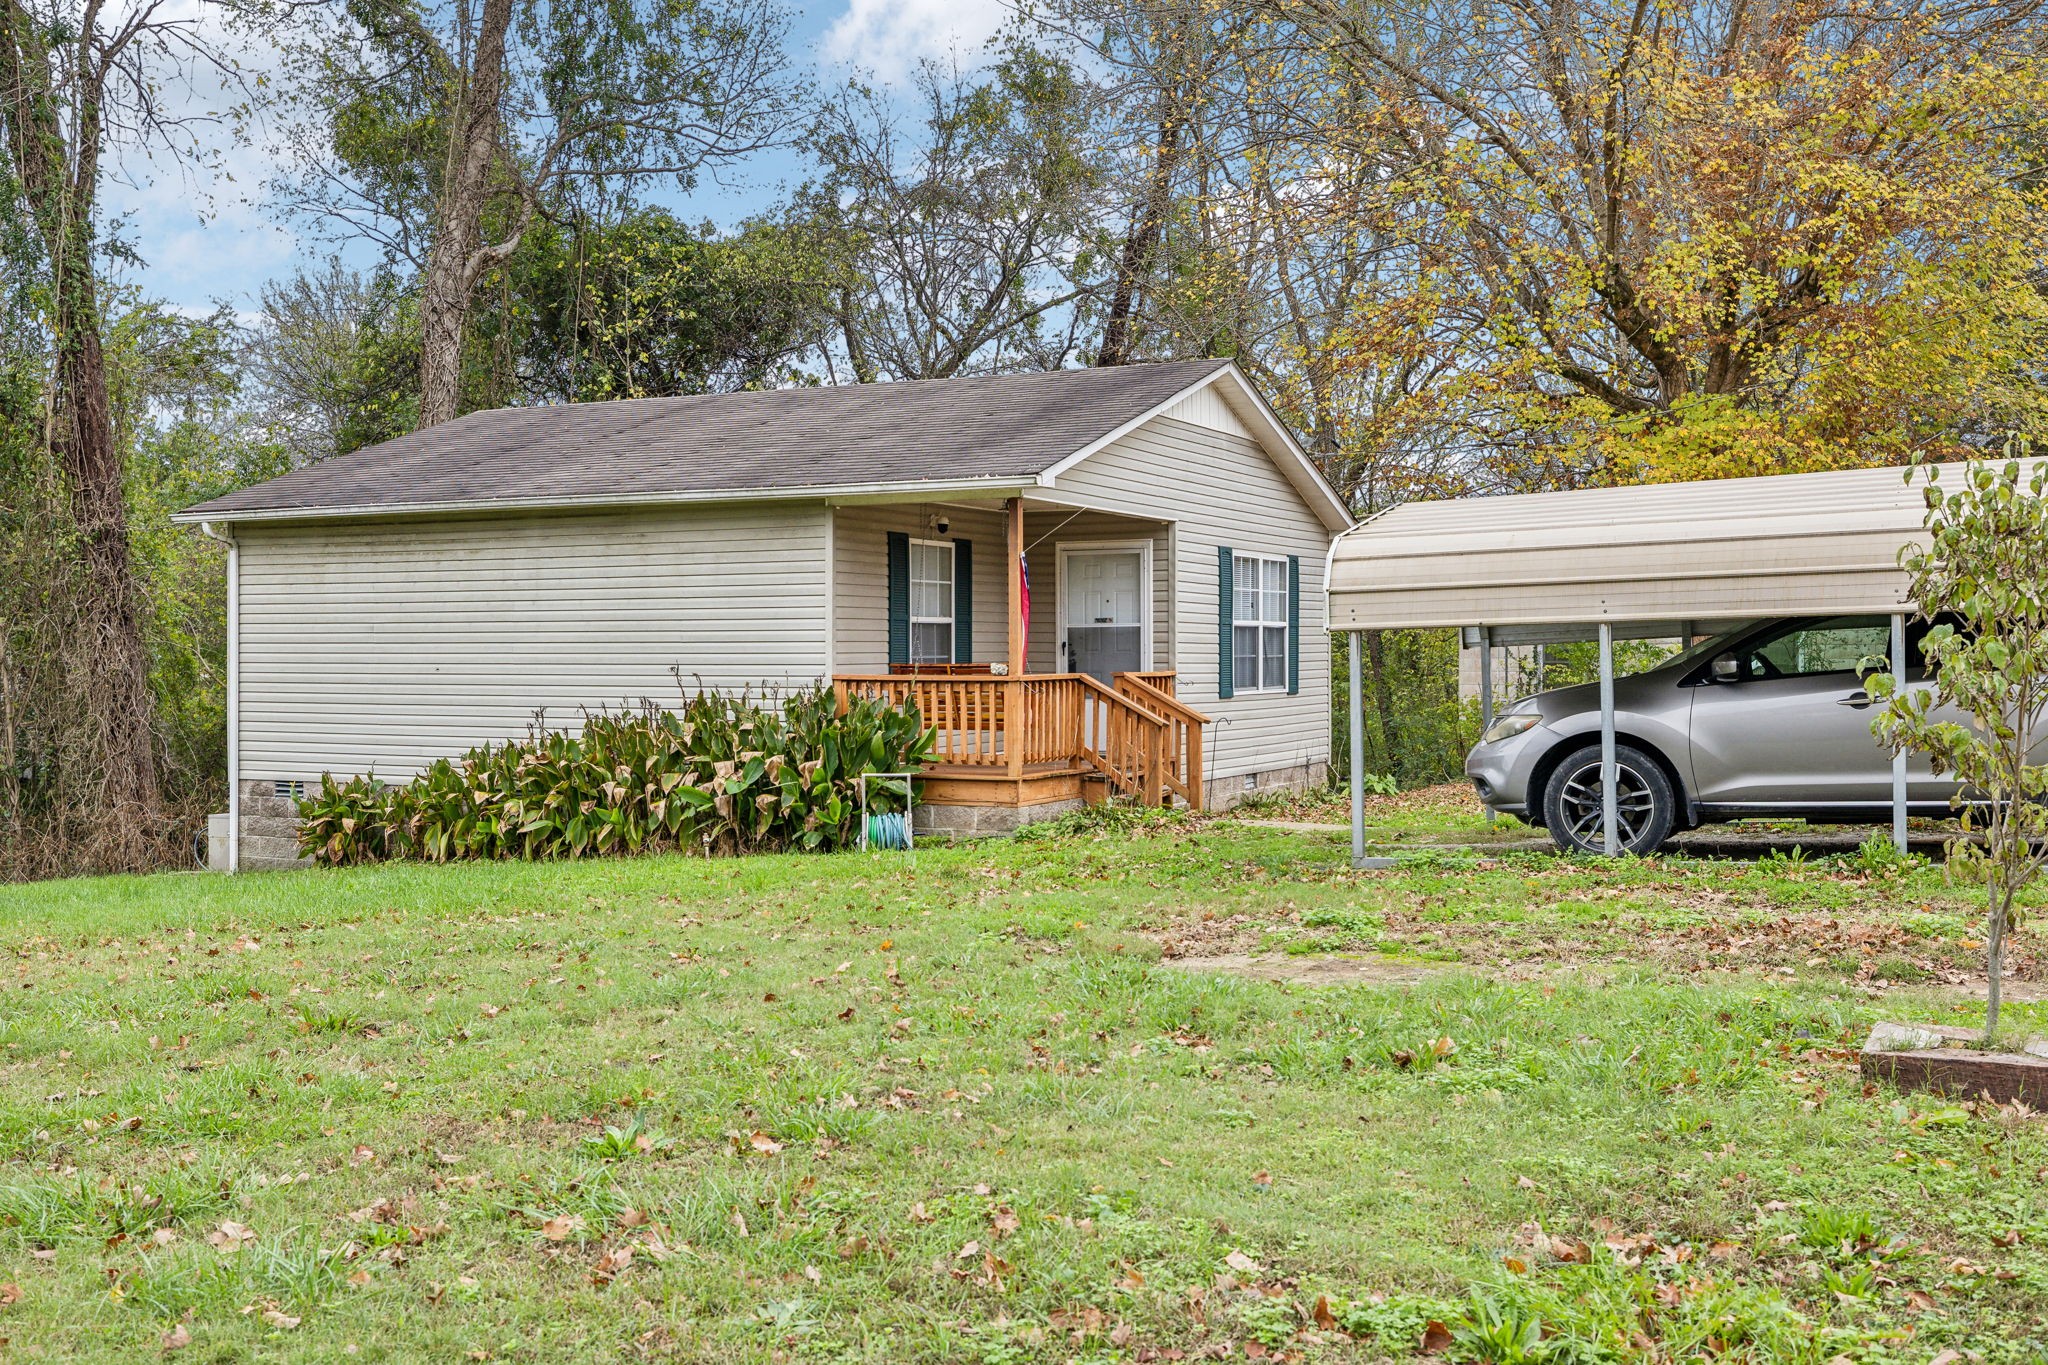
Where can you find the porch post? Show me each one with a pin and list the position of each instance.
(1015, 575)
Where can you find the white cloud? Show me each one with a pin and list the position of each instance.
(887, 38)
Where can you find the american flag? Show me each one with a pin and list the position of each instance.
(1024, 597)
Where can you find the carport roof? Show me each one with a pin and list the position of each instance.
(1666, 554)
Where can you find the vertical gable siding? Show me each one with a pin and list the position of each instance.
(1223, 489)
(860, 579)
(383, 647)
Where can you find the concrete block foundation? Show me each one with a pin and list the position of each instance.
(973, 822)
(1224, 792)
(269, 830)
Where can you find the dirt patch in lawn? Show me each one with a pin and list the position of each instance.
(1305, 970)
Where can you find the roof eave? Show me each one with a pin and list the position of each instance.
(1007, 485)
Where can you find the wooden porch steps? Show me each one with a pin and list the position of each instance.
(1042, 738)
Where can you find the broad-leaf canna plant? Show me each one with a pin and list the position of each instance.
(1982, 577)
(722, 774)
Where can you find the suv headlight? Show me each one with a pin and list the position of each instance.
(1507, 727)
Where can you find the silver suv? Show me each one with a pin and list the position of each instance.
(1768, 720)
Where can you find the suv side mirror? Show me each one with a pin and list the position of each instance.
(1727, 668)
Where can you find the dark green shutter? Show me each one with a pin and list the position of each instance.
(899, 597)
(963, 601)
(1226, 608)
(1293, 624)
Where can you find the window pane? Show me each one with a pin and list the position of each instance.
(1276, 656)
(931, 644)
(931, 561)
(1244, 579)
(1245, 652)
(931, 582)
(1840, 645)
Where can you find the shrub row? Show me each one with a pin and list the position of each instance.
(725, 774)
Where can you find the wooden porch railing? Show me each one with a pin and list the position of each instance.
(1183, 738)
(1135, 734)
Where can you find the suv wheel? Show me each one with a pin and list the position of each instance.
(1645, 807)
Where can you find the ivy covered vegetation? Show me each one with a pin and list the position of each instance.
(724, 774)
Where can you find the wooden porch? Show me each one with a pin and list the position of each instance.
(1040, 738)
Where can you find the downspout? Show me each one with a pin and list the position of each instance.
(227, 538)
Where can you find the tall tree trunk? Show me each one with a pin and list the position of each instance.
(457, 258)
(1135, 261)
(109, 617)
(54, 153)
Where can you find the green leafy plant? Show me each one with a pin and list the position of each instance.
(622, 1142)
(1987, 540)
(1782, 861)
(1827, 1228)
(1501, 1334)
(1878, 856)
(724, 774)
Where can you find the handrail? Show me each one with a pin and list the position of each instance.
(1183, 756)
(1134, 763)
(1161, 700)
(1094, 684)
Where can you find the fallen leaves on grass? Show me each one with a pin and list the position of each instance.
(230, 1236)
(611, 1265)
(562, 1227)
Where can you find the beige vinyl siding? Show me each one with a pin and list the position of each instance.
(383, 646)
(1222, 489)
(860, 578)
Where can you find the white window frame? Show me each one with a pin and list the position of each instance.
(951, 623)
(1238, 685)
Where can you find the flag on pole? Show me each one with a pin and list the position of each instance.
(1024, 596)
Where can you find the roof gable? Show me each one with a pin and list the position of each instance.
(1224, 400)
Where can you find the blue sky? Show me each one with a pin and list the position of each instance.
(213, 239)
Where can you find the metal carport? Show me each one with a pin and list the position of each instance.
(1644, 561)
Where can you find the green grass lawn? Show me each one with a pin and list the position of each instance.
(958, 1109)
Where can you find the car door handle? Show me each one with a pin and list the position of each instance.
(1859, 700)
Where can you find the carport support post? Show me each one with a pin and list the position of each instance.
(1486, 689)
(1610, 832)
(1899, 758)
(1357, 689)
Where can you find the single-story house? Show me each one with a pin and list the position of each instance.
(1091, 581)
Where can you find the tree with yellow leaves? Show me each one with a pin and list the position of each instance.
(1681, 240)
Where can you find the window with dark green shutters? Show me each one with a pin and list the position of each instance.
(931, 601)
(1259, 631)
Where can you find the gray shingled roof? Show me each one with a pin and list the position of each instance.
(941, 431)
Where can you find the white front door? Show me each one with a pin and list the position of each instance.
(1102, 611)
